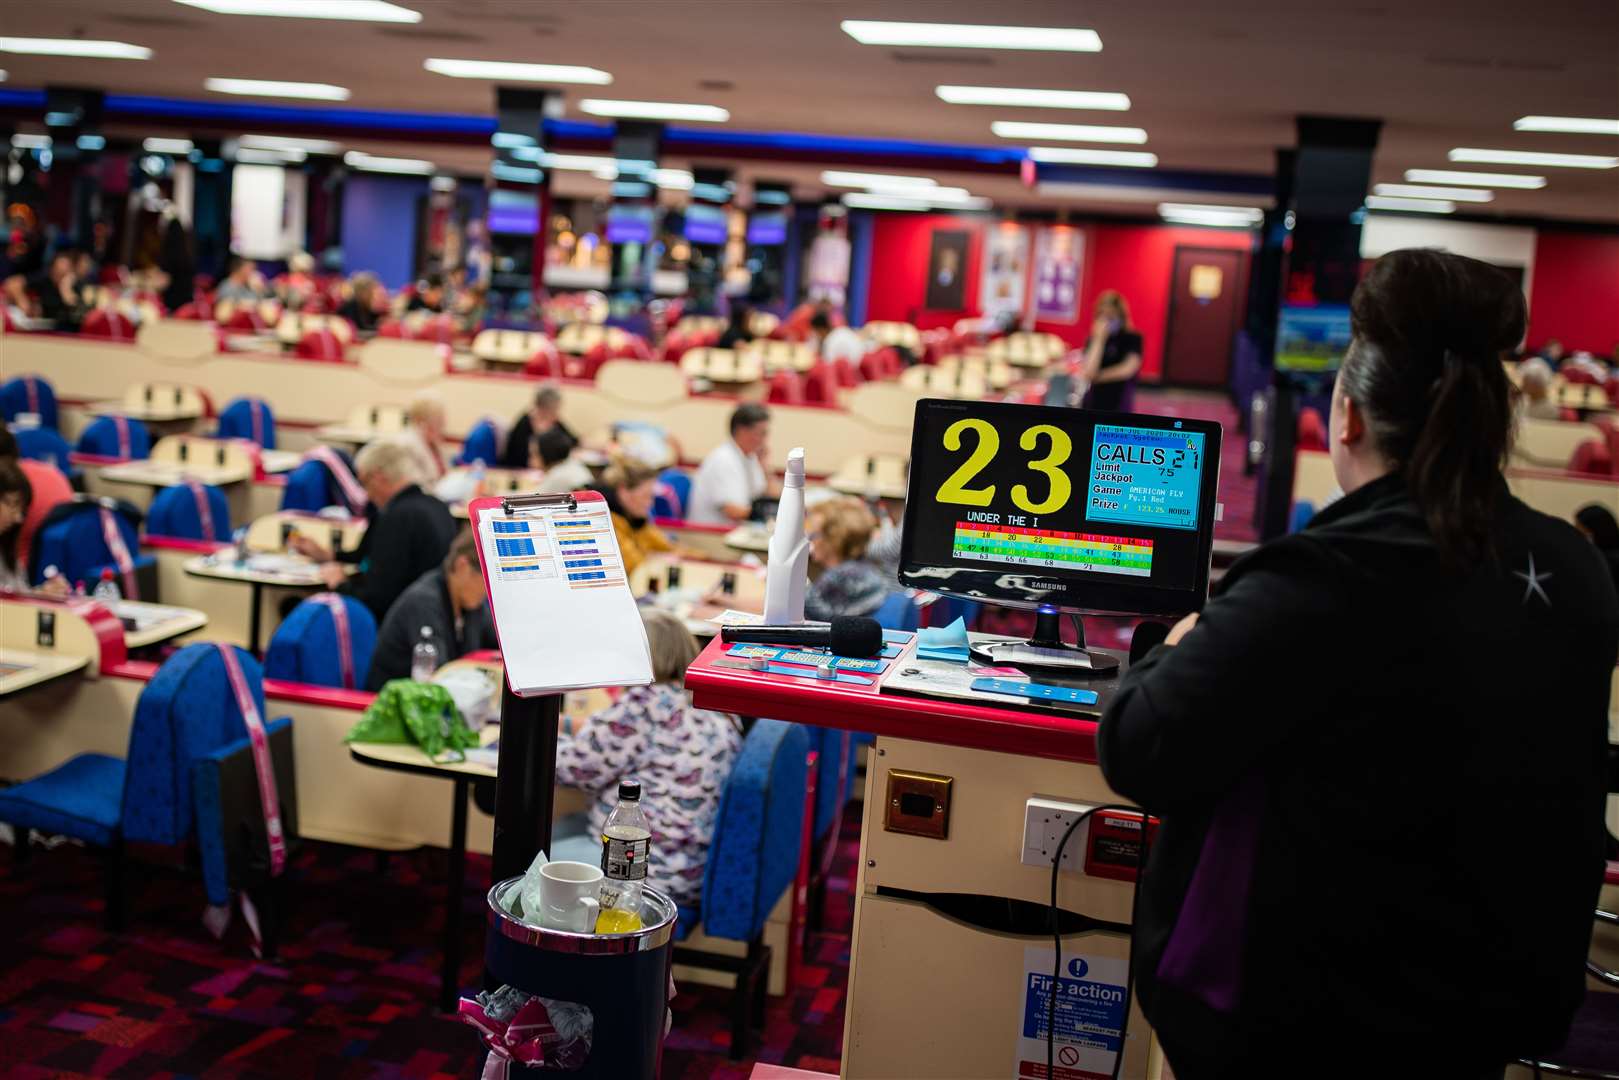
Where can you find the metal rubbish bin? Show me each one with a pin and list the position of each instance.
(622, 978)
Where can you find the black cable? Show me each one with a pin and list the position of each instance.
(1056, 937)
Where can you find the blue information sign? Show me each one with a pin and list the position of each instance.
(1145, 476)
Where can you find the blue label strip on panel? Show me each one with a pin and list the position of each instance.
(804, 656)
(810, 673)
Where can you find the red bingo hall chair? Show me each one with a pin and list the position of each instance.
(786, 388)
(248, 418)
(107, 323)
(320, 344)
(189, 724)
(327, 640)
(482, 444)
(190, 511)
(754, 860)
(821, 385)
(29, 394)
(117, 437)
(86, 535)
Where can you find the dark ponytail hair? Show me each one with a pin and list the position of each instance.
(13, 481)
(1431, 331)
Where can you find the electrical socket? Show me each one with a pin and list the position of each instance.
(1044, 822)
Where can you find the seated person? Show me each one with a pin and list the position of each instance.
(736, 331)
(629, 487)
(1535, 380)
(429, 295)
(59, 292)
(733, 474)
(363, 308)
(449, 599)
(298, 284)
(424, 427)
(839, 531)
(15, 495)
(48, 488)
(553, 453)
(542, 416)
(409, 535)
(681, 755)
(241, 284)
(1552, 352)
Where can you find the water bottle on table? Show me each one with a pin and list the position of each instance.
(106, 590)
(626, 844)
(424, 657)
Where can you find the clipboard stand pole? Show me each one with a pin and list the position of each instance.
(525, 785)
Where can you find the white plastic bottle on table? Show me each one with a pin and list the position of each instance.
(626, 846)
(424, 657)
(787, 570)
(106, 589)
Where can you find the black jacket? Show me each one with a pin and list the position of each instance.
(426, 603)
(1382, 791)
(514, 455)
(408, 537)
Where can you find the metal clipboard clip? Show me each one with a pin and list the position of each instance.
(563, 500)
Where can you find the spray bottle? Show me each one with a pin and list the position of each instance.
(787, 572)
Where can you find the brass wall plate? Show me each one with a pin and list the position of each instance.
(918, 804)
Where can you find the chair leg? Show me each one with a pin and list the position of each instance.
(382, 864)
(747, 1000)
(117, 901)
(22, 848)
(761, 984)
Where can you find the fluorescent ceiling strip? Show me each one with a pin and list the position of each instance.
(1478, 179)
(1426, 206)
(1033, 99)
(1533, 157)
(354, 159)
(511, 71)
(273, 88)
(166, 146)
(278, 142)
(349, 10)
(1018, 129)
(81, 47)
(1417, 191)
(1074, 155)
(1573, 125)
(971, 36)
(876, 181)
(654, 110)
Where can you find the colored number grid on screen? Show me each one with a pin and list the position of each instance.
(523, 546)
(1052, 549)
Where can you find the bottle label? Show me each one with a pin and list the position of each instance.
(625, 860)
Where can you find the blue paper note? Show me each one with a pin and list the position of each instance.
(943, 642)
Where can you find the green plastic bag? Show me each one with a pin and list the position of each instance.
(406, 711)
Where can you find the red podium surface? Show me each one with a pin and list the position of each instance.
(866, 708)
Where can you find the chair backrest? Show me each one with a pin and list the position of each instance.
(44, 444)
(79, 538)
(833, 749)
(190, 511)
(482, 444)
(759, 831)
(320, 344)
(786, 389)
(186, 711)
(821, 385)
(898, 612)
(29, 394)
(673, 494)
(116, 437)
(108, 323)
(1592, 457)
(1312, 430)
(307, 647)
(312, 488)
(249, 418)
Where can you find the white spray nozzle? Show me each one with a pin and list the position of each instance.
(795, 467)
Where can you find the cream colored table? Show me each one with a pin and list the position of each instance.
(155, 623)
(259, 571)
(865, 476)
(160, 474)
(749, 536)
(1582, 396)
(21, 669)
(699, 598)
(280, 461)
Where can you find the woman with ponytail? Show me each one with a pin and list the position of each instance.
(1378, 754)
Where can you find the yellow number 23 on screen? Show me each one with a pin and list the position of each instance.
(1059, 448)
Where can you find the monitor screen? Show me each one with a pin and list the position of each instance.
(1312, 338)
(1026, 505)
(706, 224)
(767, 229)
(629, 224)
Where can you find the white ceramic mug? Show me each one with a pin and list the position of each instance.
(570, 896)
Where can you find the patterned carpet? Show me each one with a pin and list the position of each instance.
(351, 994)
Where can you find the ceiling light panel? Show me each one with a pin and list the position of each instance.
(272, 88)
(166, 146)
(875, 181)
(1418, 191)
(1572, 125)
(972, 36)
(354, 159)
(347, 10)
(1426, 206)
(92, 50)
(1477, 179)
(278, 142)
(1533, 157)
(1074, 155)
(1018, 129)
(1033, 99)
(654, 110)
(509, 71)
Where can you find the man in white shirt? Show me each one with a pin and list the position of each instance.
(733, 473)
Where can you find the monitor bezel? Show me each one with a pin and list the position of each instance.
(1077, 596)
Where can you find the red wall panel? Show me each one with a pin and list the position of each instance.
(1574, 296)
(900, 245)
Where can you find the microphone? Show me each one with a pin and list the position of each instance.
(1148, 633)
(848, 635)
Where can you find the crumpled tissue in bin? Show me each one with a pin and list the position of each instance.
(533, 1031)
(524, 896)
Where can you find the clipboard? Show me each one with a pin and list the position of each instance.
(558, 593)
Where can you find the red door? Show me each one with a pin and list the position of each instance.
(1205, 305)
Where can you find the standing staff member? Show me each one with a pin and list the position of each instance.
(1379, 753)
(1112, 356)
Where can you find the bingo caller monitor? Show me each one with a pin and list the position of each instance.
(1057, 509)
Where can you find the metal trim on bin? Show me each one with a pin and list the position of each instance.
(649, 937)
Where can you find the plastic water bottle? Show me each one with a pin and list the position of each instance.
(424, 657)
(626, 846)
(106, 590)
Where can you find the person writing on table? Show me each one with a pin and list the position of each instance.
(1112, 358)
(1378, 754)
(733, 474)
(408, 536)
(630, 487)
(448, 598)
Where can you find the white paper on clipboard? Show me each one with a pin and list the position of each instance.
(561, 599)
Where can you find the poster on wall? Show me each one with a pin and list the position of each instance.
(947, 271)
(1059, 260)
(1006, 269)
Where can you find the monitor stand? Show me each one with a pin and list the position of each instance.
(1046, 649)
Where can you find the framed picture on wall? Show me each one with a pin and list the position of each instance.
(947, 271)
(1058, 260)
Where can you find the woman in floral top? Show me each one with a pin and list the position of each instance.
(681, 755)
